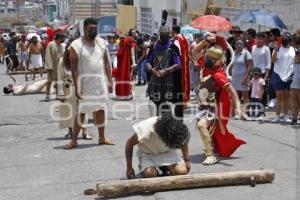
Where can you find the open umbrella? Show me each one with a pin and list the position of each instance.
(186, 30)
(212, 23)
(261, 17)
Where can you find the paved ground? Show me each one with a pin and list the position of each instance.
(34, 166)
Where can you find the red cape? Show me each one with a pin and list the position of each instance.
(123, 85)
(225, 144)
(185, 67)
(50, 33)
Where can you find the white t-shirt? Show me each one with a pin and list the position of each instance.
(284, 65)
(261, 58)
(149, 141)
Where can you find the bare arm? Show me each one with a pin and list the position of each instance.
(172, 68)
(107, 66)
(186, 156)
(149, 66)
(60, 79)
(249, 64)
(185, 152)
(229, 88)
(29, 53)
(267, 74)
(74, 66)
(274, 55)
(131, 142)
(42, 49)
(133, 56)
(74, 70)
(196, 52)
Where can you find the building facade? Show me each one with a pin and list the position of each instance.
(11, 7)
(94, 8)
(149, 14)
(180, 12)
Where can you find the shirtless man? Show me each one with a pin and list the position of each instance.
(35, 56)
(36, 87)
(22, 48)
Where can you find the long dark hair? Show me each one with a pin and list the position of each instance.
(174, 133)
(66, 56)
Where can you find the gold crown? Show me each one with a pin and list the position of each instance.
(215, 52)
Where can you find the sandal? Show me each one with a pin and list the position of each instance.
(86, 136)
(68, 136)
(105, 142)
(210, 160)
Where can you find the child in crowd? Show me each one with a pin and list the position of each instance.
(258, 86)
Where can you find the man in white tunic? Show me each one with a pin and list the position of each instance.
(90, 63)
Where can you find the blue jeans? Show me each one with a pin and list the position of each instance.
(141, 71)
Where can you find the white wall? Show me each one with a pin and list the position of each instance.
(157, 7)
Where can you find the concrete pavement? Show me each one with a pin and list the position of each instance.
(33, 164)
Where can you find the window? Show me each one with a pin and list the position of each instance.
(146, 21)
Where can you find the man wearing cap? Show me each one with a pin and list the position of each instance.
(54, 52)
(214, 92)
(236, 33)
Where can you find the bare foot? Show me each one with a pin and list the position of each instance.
(105, 142)
(70, 146)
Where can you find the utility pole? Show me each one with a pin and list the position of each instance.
(183, 11)
(18, 11)
(73, 11)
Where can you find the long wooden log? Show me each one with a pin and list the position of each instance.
(127, 187)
